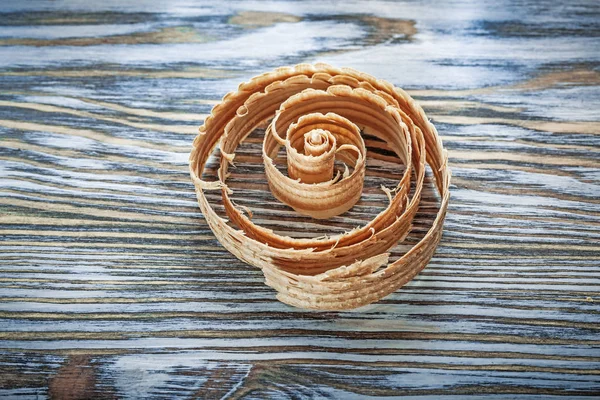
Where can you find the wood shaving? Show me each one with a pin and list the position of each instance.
(317, 112)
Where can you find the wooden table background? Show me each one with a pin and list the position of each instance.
(112, 285)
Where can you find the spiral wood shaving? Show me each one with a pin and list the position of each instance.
(317, 112)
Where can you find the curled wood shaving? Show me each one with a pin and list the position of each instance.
(317, 112)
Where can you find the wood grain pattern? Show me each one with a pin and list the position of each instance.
(113, 286)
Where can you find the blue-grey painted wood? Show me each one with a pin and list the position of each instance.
(113, 286)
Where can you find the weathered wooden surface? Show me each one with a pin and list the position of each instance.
(112, 285)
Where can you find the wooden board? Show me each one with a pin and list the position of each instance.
(113, 286)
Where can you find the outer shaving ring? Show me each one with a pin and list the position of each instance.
(348, 270)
